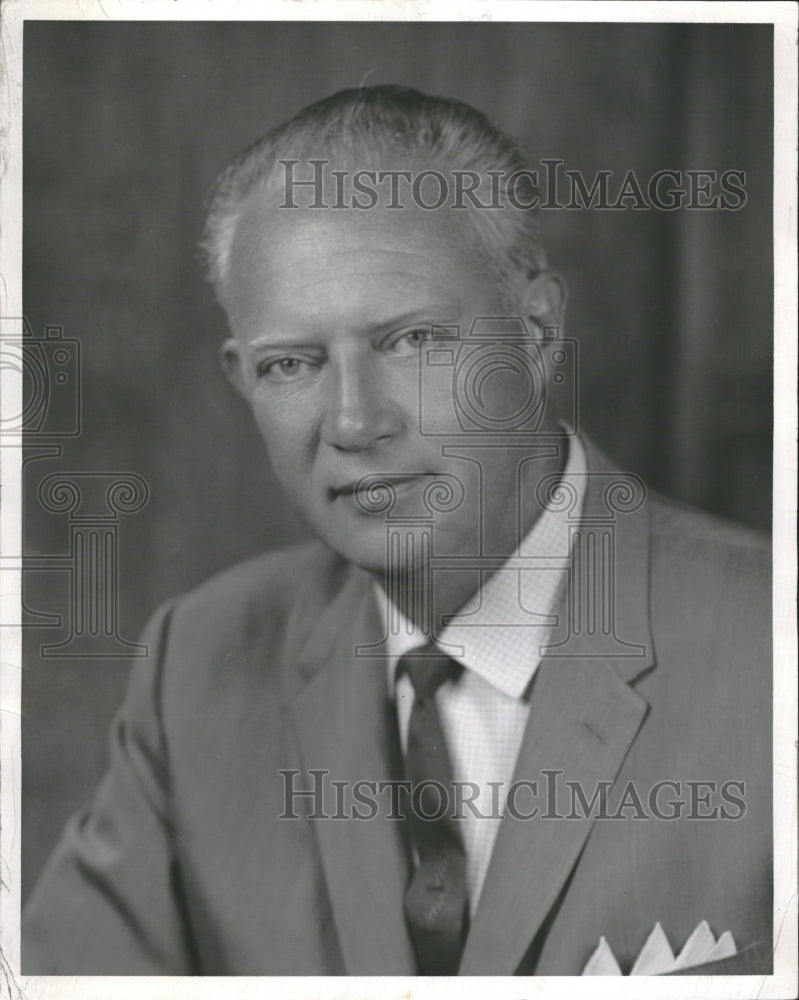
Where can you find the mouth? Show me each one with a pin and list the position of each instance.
(376, 490)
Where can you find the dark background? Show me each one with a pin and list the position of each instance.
(127, 125)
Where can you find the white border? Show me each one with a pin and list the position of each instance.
(407, 10)
(784, 982)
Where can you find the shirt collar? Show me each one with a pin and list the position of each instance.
(498, 634)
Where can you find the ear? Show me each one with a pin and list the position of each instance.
(544, 301)
(233, 366)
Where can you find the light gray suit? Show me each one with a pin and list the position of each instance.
(182, 866)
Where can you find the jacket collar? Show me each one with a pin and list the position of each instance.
(606, 607)
(346, 726)
(584, 717)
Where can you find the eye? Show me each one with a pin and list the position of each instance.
(409, 341)
(288, 369)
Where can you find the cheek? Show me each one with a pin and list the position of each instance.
(288, 431)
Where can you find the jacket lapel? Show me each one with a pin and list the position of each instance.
(344, 723)
(583, 719)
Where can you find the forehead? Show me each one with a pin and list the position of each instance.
(297, 258)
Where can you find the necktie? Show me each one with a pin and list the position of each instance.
(435, 901)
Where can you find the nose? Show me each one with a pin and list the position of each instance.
(359, 412)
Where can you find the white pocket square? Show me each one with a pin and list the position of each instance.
(656, 957)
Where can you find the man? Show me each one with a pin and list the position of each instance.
(511, 714)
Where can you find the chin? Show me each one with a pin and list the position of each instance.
(371, 556)
(366, 550)
(364, 542)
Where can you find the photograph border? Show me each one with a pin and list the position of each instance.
(783, 982)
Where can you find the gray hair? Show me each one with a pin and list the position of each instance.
(372, 123)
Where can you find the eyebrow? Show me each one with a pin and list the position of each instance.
(264, 343)
(384, 326)
(445, 309)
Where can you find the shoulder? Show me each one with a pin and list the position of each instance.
(683, 537)
(277, 578)
(698, 557)
(675, 521)
(262, 598)
(710, 607)
(706, 550)
(230, 646)
(710, 692)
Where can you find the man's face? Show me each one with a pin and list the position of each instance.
(328, 311)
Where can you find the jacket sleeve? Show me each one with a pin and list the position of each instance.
(109, 899)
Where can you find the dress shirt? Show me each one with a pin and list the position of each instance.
(497, 636)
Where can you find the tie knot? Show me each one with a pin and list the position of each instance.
(428, 668)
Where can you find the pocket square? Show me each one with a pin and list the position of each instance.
(656, 958)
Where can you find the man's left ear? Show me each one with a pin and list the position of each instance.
(544, 301)
(233, 366)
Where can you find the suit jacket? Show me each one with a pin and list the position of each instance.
(183, 865)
